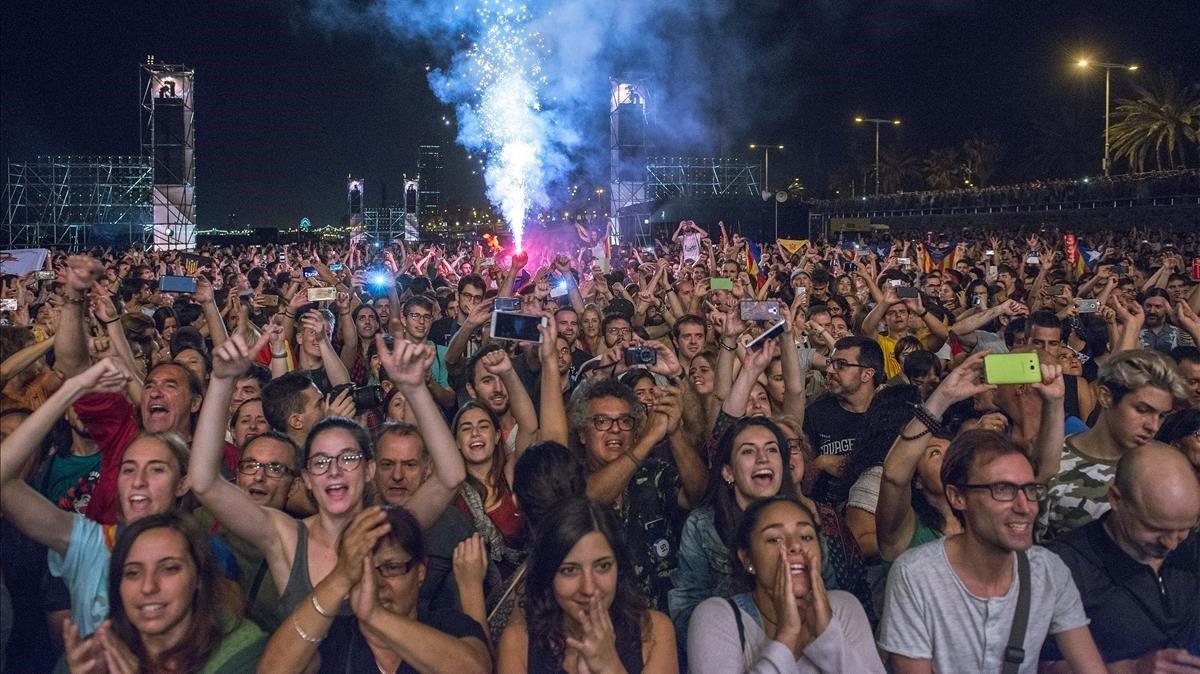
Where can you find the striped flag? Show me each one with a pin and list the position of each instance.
(753, 257)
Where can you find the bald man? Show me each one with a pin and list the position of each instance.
(1138, 566)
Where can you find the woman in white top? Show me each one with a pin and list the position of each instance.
(787, 622)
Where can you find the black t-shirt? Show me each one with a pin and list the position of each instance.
(442, 330)
(832, 429)
(345, 649)
(439, 591)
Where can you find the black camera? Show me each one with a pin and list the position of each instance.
(364, 397)
(640, 355)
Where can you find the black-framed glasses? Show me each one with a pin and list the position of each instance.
(1007, 491)
(603, 423)
(419, 316)
(319, 465)
(394, 569)
(840, 364)
(273, 468)
(620, 331)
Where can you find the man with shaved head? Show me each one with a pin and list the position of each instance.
(1138, 566)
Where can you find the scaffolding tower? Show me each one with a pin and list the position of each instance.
(704, 177)
(168, 137)
(76, 202)
(629, 146)
(384, 224)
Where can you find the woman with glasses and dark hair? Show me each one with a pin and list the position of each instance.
(337, 465)
(379, 570)
(169, 608)
(784, 620)
(582, 610)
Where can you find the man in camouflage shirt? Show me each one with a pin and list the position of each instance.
(1137, 390)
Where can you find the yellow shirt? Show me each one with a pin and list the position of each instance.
(891, 366)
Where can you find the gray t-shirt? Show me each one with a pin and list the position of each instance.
(930, 615)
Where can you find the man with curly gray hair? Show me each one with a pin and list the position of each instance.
(1136, 390)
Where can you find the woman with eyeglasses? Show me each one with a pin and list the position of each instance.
(337, 465)
(784, 620)
(170, 610)
(379, 569)
(582, 611)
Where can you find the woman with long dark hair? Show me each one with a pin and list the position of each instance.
(582, 610)
(785, 620)
(751, 462)
(169, 608)
(486, 494)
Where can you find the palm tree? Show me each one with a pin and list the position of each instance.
(943, 170)
(982, 154)
(898, 168)
(1160, 124)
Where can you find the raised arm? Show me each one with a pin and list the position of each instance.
(608, 483)
(795, 397)
(456, 350)
(895, 520)
(870, 326)
(499, 364)
(1051, 428)
(232, 507)
(16, 363)
(335, 369)
(753, 365)
(28, 510)
(70, 347)
(212, 313)
(552, 413)
(406, 365)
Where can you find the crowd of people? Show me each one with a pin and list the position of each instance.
(1134, 186)
(705, 455)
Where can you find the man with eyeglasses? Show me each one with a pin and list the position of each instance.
(951, 604)
(417, 318)
(471, 289)
(617, 437)
(834, 423)
(1138, 566)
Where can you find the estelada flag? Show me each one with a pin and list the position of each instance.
(753, 257)
(792, 246)
(934, 256)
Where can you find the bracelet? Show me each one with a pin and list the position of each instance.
(74, 300)
(317, 606)
(936, 417)
(110, 322)
(922, 415)
(291, 316)
(280, 355)
(303, 634)
(923, 314)
(908, 438)
(629, 455)
(721, 343)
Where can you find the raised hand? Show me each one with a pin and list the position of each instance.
(1052, 387)
(666, 364)
(80, 273)
(757, 360)
(548, 348)
(668, 402)
(233, 358)
(964, 381)
(407, 363)
(783, 599)
(818, 614)
(84, 656)
(315, 321)
(359, 539)
(497, 362)
(204, 290)
(118, 659)
(470, 561)
(106, 376)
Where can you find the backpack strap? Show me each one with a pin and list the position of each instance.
(1014, 652)
(737, 615)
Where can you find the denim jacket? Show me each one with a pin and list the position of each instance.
(705, 568)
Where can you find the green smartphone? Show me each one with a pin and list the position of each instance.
(718, 283)
(1012, 368)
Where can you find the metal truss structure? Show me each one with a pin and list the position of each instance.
(704, 177)
(76, 202)
(383, 224)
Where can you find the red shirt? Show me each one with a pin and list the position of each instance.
(112, 422)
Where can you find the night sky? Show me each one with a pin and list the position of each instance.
(286, 107)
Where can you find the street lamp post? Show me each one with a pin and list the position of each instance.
(766, 162)
(876, 122)
(1108, 68)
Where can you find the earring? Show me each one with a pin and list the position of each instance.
(750, 569)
